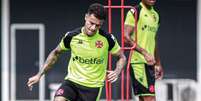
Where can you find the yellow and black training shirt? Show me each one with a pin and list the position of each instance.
(89, 56)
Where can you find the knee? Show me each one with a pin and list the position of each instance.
(59, 98)
(148, 98)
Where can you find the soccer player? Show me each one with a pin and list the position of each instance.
(145, 62)
(87, 68)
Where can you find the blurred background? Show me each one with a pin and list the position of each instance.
(29, 20)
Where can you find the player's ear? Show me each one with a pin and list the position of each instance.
(86, 15)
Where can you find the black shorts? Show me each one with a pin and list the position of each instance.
(143, 79)
(75, 92)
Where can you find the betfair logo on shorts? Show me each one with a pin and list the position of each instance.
(88, 60)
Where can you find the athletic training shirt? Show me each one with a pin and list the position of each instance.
(147, 26)
(89, 56)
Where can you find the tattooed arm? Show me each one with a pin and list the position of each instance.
(50, 61)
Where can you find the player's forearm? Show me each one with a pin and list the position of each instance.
(121, 62)
(127, 34)
(50, 61)
(140, 50)
(128, 40)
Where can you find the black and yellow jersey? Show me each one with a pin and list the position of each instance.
(89, 56)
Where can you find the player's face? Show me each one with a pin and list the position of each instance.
(92, 24)
(149, 2)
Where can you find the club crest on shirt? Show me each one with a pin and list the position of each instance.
(99, 44)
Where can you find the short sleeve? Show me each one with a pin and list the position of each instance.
(116, 46)
(130, 20)
(65, 42)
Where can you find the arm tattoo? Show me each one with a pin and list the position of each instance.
(50, 61)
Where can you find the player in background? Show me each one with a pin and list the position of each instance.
(145, 62)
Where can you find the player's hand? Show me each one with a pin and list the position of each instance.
(112, 76)
(150, 59)
(33, 80)
(158, 72)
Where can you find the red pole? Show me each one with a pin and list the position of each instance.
(108, 85)
(110, 57)
(122, 45)
(122, 6)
